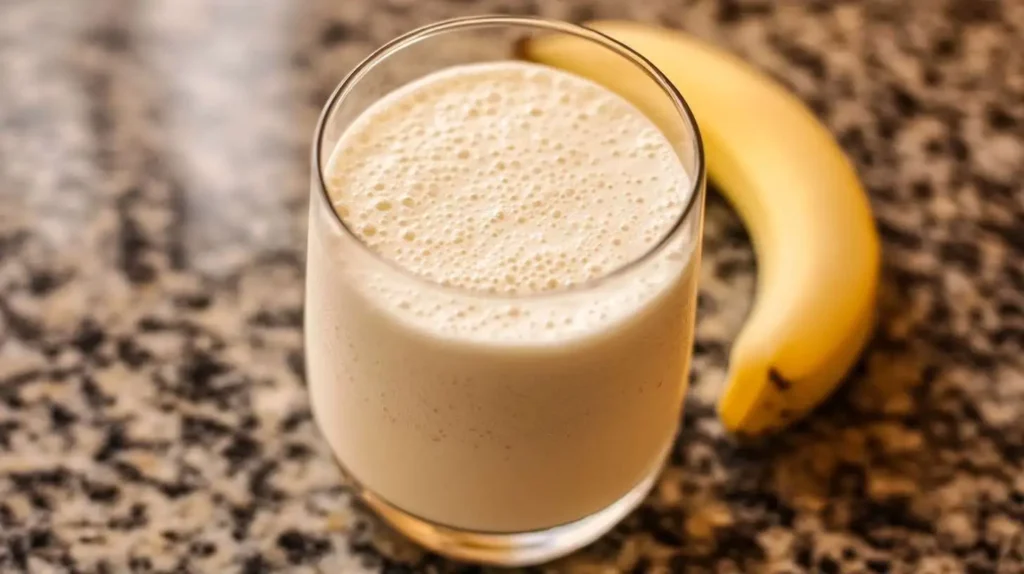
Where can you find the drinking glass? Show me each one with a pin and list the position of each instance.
(488, 447)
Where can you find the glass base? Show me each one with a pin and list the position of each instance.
(513, 549)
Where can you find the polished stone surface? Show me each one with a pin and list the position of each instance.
(153, 181)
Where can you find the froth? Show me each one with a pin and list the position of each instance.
(506, 178)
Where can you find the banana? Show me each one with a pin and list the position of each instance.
(809, 218)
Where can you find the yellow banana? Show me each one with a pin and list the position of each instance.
(808, 216)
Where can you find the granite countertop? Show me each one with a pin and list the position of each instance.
(153, 184)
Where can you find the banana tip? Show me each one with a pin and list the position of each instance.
(520, 48)
(731, 418)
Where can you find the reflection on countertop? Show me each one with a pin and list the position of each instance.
(153, 181)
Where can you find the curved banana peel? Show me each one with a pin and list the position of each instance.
(808, 216)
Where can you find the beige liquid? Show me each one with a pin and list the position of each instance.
(506, 400)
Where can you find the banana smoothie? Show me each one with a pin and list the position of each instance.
(498, 328)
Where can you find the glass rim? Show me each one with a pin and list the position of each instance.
(410, 38)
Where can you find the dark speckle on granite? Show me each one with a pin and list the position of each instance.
(302, 547)
(153, 415)
(255, 564)
(336, 33)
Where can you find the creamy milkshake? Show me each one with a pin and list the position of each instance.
(498, 335)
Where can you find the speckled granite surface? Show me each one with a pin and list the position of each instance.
(153, 182)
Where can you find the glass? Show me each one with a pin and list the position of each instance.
(485, 447)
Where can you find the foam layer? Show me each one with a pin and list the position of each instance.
(507, 178)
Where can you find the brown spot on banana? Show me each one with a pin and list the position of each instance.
(778, 381)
